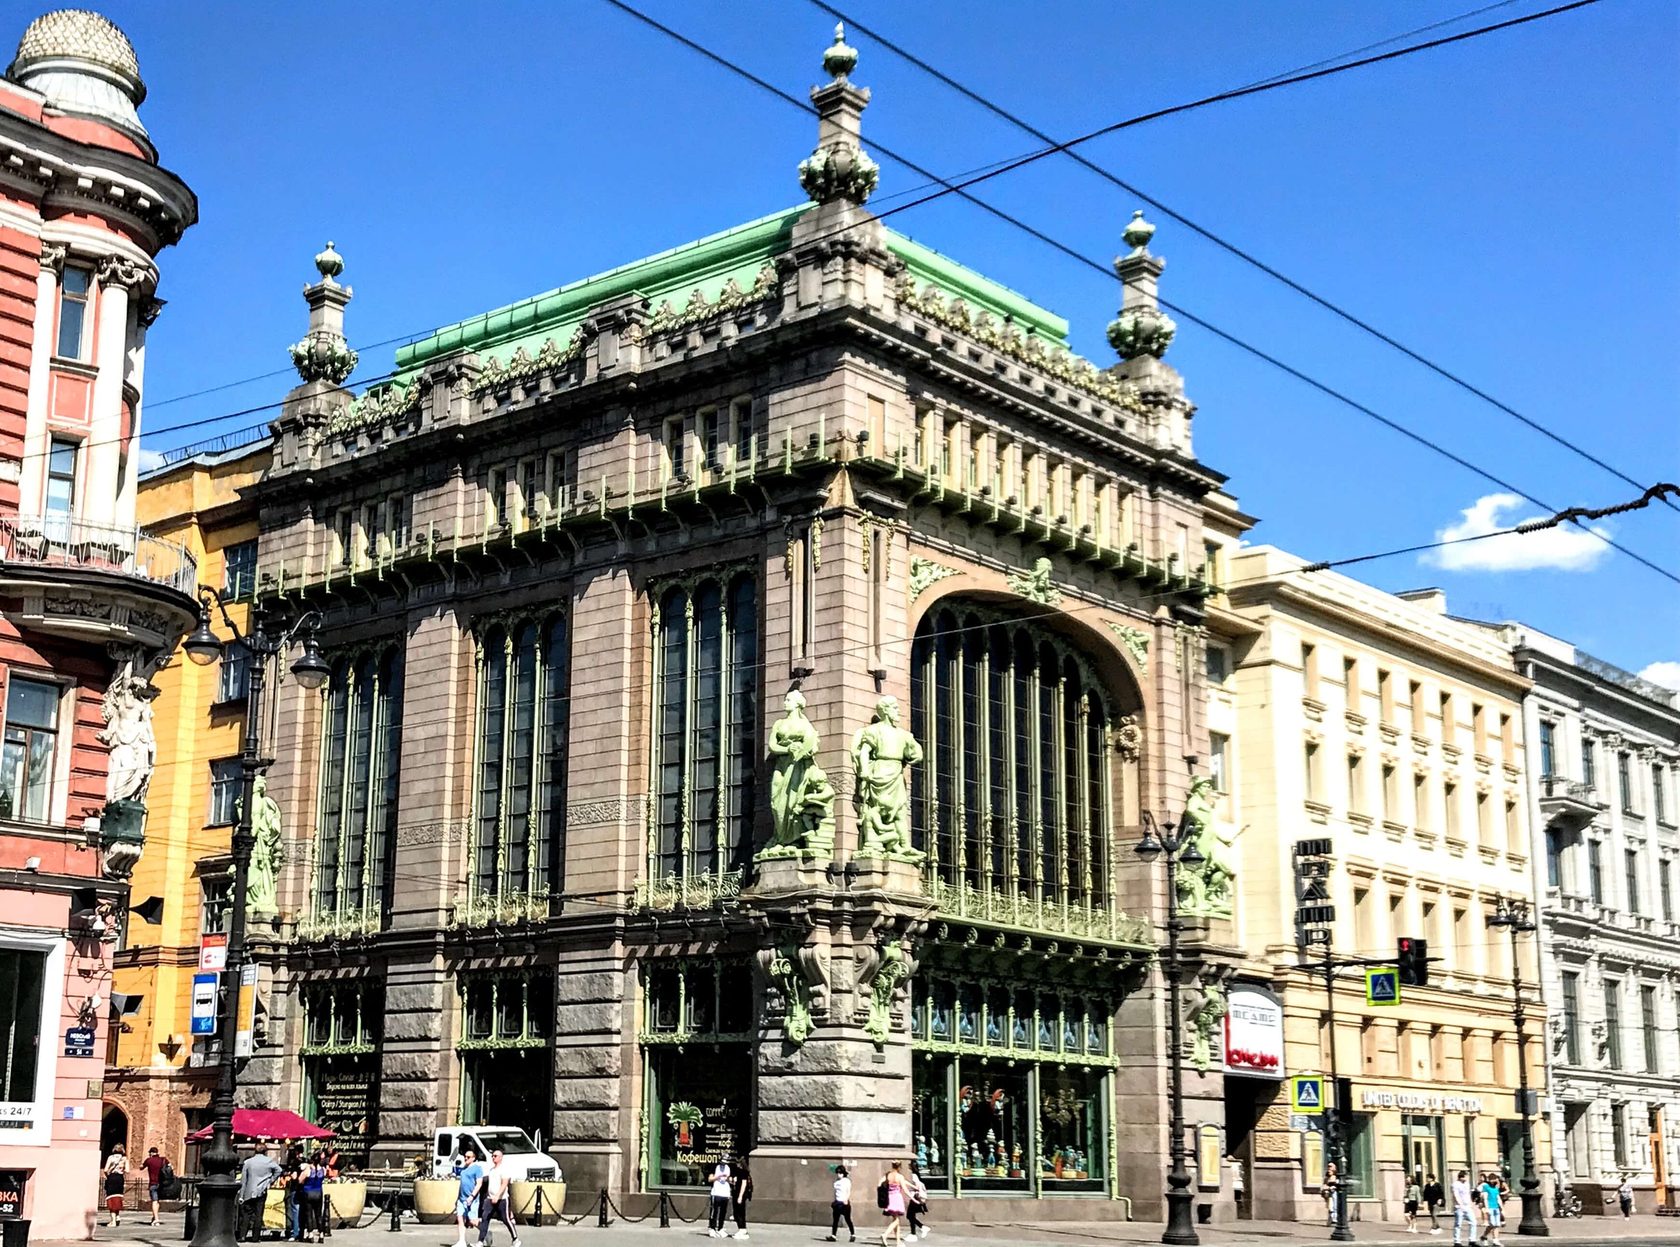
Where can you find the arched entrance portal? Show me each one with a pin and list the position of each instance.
(113, 1129)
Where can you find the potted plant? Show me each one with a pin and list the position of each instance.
(434, 1199)
(349, 1201)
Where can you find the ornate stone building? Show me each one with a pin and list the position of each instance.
(89, 603)
(1606, 748)
(556, 859)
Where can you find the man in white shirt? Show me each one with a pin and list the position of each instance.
(497, 1187)
(1464, 1212)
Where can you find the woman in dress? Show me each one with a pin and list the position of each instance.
(116, 1174)
(898, 1201)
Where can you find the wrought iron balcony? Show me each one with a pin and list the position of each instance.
(97, 581)
(1570, 802)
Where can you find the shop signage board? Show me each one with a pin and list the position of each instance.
(243, 1040)
(1253, 1032)
(204, 1004)
(1382, 985)
(13, 1184)
(212, 952)
(1306, 1093)
(1422, 1101)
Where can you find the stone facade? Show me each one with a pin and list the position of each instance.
(805, 453)
(1606, 752)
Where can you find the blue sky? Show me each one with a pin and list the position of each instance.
(1507, 206)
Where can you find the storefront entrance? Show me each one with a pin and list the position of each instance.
(1424, 1146)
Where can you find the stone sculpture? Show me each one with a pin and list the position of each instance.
(1204, 1023)
(1205, 889)
(128, 734)
(891, 970)
(267, 852)
(783, 971)
(801, 796)
(882, 755)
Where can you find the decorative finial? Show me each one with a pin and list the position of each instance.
(1137, 234)
(329, 263)
(839, 59)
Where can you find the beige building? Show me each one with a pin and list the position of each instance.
(1378, 722)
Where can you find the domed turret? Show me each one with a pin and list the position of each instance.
(85, 66)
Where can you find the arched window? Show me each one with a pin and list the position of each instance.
(1015, 791)
(519, 826)
(705, 727)
(361, 764)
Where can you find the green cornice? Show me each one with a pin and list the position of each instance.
(708, 265)
(928, 265)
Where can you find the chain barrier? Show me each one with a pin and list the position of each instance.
(677, 1212)
(607, 1202)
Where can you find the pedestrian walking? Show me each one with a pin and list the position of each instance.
(1414, 1200)
(842, 1206)
(717, 1211)
(470, 1174)
(116, 1174)
(1624, 1196)
(1330, 1188)
(292, 1176)
(740, 1181)
(895, 1203)
(312, 1178)
(1433, 1198)
(256, 1175)
(1493, 1207)
(157, 1170)
(916, 1194)
(498, 1202)
(1464, 1211)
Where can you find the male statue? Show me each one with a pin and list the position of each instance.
(882, 755)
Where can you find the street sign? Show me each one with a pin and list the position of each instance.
(1306, 1121)
(212, 952)
(1382, 986)
(204, 1004)
(78, 1041)
(1306, 1093)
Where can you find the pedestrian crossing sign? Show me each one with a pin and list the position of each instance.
(1382, 986)
(1306, 1093)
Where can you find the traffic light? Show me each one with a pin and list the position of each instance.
(1411, 958)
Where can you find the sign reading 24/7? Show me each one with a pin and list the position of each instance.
(1382, 986)
(1306, 1093)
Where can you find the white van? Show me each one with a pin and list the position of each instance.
(520, 1153)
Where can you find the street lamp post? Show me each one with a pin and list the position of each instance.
(218, 1192)
(1513, 915)
(1174, 849)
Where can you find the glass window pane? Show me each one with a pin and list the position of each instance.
(32, 703)
(702, 998)
(663, 999)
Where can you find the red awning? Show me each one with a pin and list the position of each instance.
(267, 1123)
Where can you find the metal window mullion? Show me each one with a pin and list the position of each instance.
(656, 711)
(983, 704)
(1011, 754)
(535, 851)
(1058, 730)
(342, 833)
(726, 706)
(1035, 776)
(959, 825)
(505, 791)
(930, 695)
(1082, 813)
(376, 750)
(1105, 815)
(691, 690)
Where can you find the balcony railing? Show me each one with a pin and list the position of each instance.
(64, 541)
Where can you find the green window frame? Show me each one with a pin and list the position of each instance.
(700, 1000)
(988, 1017)
(360, 777)
(506, 1009)
(705, 730)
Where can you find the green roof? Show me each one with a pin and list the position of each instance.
(708, 265)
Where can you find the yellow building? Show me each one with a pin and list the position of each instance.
(1380, 723)
(161, 1078)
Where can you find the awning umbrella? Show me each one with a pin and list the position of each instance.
(267, 1123)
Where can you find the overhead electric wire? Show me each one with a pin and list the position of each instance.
(959, 187)
(1016, 120)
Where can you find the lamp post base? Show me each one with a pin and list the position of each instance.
(1533, 1223)
(218, 1211)
(1181, 1220)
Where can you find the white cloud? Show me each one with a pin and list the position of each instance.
(1566, 548)
(150, 459)
(1666, 674)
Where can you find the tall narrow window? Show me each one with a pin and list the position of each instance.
(1548, 747)
(1589, 762)
(73, 290)
(1665, 887)
(1219, 748)
(1631, 857)
(706, 728)
(1314, 780)
(1355, 784)
(361, 757)
(519, 839)
(1613, 1023)
(676, 448)
(225, 777)
(239, 569)
(1659, 793)
(31, 750)
(1554, 858)
(61, 477)
(1595, 870)
(711, 438)
(741, 430)
(1624, 783)
(1309, 669)
(1572, 1017)
(1449, 796)
(1648, 1027)
(1012, 796)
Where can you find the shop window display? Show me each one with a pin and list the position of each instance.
(993, 1130)
(1071, 1130)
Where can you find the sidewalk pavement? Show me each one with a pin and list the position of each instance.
(1642, 1228)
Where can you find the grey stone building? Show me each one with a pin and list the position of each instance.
(1605, 746)
(547, 867)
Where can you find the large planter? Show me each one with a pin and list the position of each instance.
(434, 1200)
(349, 1201)
(525, 1198)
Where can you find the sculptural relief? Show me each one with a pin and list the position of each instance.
(882, 755)
(267, 854)
(801, 796)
